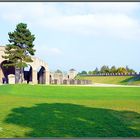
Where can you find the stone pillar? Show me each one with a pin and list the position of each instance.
(47, 77)
(34, 77)
(68, 81)
(1, 75)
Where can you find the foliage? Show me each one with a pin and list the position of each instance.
(20, 49)
(130, 70)
(58, 71)
(121, 70)
(113, 69)
(105, 69)
(83, 72)
(96, 71)
(90, 72)
(21, 46)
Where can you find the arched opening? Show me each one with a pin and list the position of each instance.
(41, 75)
(28, 73)
(7, 70)
(50, 79)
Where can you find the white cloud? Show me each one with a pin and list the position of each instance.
(109, 19)
(95, 24)
(12, 17)
(100, 7)
(54, 51)
(48, 51)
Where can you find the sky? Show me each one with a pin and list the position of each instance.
(79, 35)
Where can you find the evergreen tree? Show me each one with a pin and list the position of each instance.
(58, 71)
(96, 71)
(20, 49)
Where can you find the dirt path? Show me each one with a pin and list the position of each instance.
(112, 85)
(101, 85)
(96, 85)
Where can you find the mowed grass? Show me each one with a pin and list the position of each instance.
(66, 111)
(122, 80)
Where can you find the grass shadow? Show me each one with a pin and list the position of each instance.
(131, 79)
(70, 120)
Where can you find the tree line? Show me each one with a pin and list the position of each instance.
(106, 69)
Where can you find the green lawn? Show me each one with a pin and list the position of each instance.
(122, 80)
(68, 111)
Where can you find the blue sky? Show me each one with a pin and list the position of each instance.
(81, 35)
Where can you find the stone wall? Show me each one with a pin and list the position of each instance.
(36, 64)
(112, 74)
(67, 79)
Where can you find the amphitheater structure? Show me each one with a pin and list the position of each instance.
(37, 71)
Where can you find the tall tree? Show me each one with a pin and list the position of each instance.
(113, 69)
(90, 72)
(58, 71)
(122, 70)
(130, 70)
(20, 49)
(83, 72)
(96, 71)
(105, 69)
